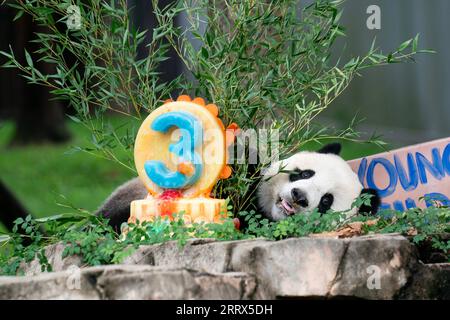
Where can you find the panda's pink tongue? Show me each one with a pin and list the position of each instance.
(287, 206)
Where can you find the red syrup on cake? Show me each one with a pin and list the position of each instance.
(166, 202)
(237, 224)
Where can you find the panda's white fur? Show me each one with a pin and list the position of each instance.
(332, 175)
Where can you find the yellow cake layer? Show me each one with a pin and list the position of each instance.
(193, 209)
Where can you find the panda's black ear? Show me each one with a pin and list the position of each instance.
(375, 202)
(334, 148)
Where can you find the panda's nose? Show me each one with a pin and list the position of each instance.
(299, 197)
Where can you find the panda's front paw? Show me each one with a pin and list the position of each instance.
(375, 202)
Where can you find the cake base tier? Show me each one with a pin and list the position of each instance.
(193, 209)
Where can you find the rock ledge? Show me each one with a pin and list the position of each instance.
(368, 267)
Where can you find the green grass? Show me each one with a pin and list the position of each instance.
(40, 175)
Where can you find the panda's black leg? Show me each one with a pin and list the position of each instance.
(375, 202)
(117, 207)
(10, 208)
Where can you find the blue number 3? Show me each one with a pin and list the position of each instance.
(191, 137)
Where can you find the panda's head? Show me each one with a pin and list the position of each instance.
(312, 180)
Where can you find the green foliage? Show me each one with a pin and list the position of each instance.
(23, 253)
(82, 234)
(162, 230)
(103, 74)
(91, 238)
(266, 64)
(419, 223)
(424, 222)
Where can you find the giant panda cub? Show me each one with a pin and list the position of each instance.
(307, 181)
(297, 185)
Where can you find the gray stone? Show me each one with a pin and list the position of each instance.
(368, 267)
(64, 285)
(206, 255)
(374, 267)
(198, 254)
(430, 281)
(176, 284)
(55, 259)
(298, 267)
(129, 282)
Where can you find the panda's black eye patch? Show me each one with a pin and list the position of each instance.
(325, 202)
(300, 175)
